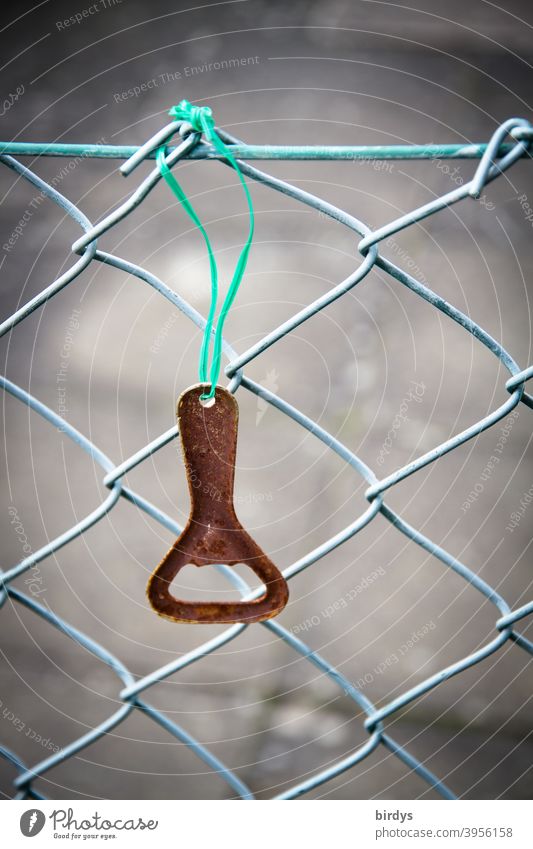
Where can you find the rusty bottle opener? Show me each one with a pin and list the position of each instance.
(213, 533)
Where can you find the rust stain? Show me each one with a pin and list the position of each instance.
(213, 533)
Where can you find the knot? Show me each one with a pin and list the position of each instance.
(199, 117)
(490, 166)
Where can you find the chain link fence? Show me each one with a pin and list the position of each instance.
(494, 158)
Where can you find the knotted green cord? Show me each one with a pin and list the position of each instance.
(201, 119)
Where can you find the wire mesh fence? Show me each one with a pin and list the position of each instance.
(495, 157)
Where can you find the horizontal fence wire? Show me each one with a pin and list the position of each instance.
(495, 157)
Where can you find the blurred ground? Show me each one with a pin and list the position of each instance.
(338, 73)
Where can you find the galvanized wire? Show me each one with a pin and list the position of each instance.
(495, 157)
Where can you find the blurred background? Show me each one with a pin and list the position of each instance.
(307, 73)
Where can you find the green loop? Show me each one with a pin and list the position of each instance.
(201, 119)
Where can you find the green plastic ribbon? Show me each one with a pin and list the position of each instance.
(201, 119)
